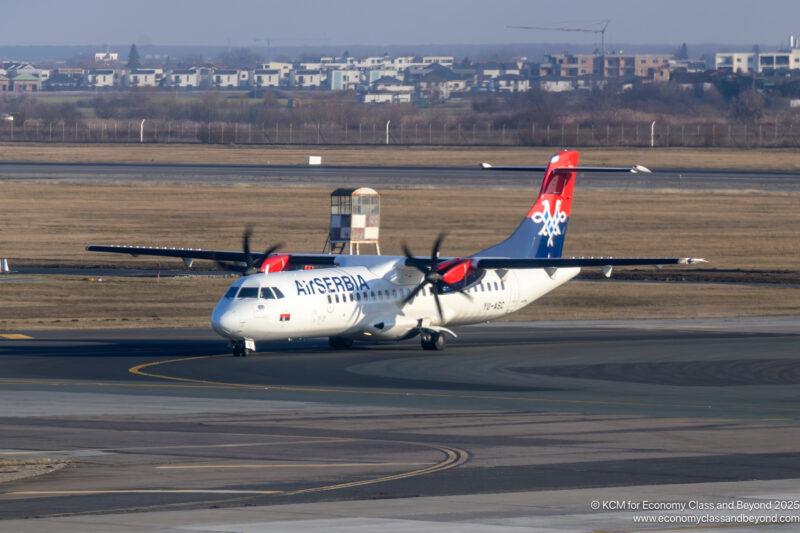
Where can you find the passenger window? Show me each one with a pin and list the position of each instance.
(503, 285)
(336, 298)
(496, 287)
(394, 293)
(358, 296)
(266, 293)
(277, 292)
(373, 294)
(231, 293)
(330, 300)
(351, 297)
(248, 292)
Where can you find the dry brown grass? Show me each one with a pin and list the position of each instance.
(15, 469)
(55, 302)
(52, 222)
(710, 158)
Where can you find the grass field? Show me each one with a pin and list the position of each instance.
(50, 223)
(775, 159)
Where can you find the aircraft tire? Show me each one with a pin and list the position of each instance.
(433, 341)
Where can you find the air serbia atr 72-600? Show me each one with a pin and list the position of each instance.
(390, 298)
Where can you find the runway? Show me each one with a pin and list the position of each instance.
(388, 176)
(152, 420)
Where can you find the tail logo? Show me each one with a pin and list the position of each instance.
(550, 221)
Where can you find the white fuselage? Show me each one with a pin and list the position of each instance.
(363, 299)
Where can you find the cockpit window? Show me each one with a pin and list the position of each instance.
(248, 292)
(266, 293)
(231, 293)
(278, 292)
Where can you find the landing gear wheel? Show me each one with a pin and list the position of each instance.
(340, 343)
(239, 350)
(433, 341)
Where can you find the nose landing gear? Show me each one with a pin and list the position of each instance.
(243, 348)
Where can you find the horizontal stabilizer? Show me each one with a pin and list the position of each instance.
(635, 169)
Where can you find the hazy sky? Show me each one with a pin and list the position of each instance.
(382, 22)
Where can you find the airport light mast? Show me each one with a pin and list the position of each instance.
(598, 27)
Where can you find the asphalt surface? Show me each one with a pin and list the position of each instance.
(388, 176)
(165, 419)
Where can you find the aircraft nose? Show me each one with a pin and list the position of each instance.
(225, 321)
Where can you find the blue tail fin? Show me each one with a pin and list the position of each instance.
(541, 233)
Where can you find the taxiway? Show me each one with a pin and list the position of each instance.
(510, 420)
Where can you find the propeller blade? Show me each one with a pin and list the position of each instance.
(414, 293)
(465, 294)
(271, 250)
(435, 250)
(438, 304)
(413, 260)
(248, 232)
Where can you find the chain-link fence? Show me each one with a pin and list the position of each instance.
(407, 133)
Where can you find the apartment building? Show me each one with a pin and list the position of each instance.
(344, 79)
(185, 78)
(306, 79)
(570, 65)
(101, 78)
(267, 78)
(735, 63)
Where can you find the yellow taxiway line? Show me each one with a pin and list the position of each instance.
(142, 370)
(283, 465)
(453, 457)
(139, 491)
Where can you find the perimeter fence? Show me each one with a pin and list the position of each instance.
(774, 134)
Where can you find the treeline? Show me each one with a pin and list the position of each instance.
(670, 104)
(666, 103)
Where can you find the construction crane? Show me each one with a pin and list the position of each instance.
(598, 27)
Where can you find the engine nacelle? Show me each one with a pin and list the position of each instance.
(456, 271)
(275, 263)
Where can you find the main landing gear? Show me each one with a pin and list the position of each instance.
(340, 343)
(432, 340)
(242, 348)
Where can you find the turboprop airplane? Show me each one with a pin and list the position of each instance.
(351, 298)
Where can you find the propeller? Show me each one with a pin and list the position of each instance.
(430, 275)
(252, 264)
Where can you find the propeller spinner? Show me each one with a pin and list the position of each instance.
(252, 264)
(433, 276)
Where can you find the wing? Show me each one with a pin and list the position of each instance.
(500, 262)
(211, 255)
